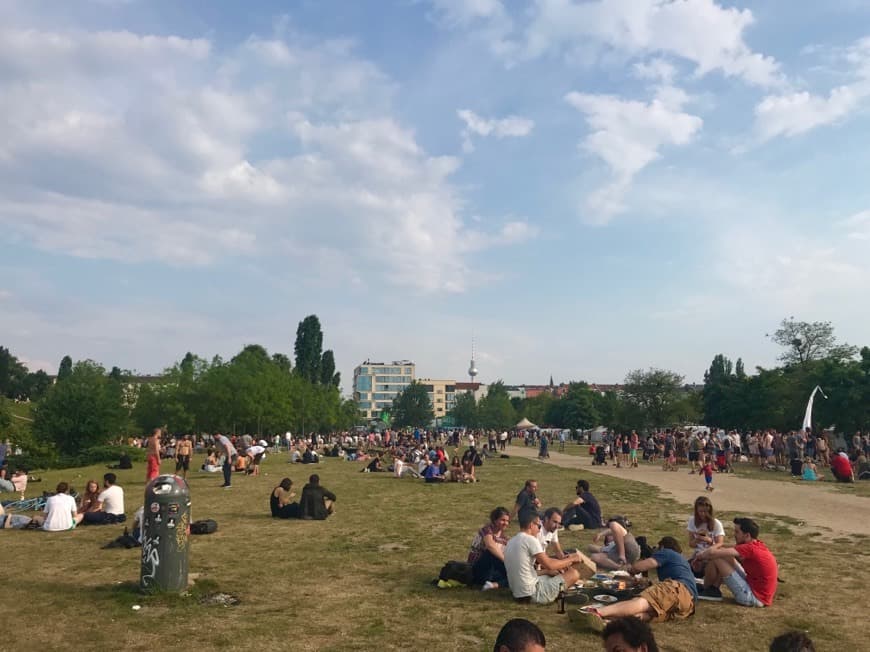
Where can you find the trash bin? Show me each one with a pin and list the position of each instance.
(165, 535)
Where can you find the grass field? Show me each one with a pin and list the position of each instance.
(361, 580)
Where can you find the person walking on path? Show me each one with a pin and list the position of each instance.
(707, 470)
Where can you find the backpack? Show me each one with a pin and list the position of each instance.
(207, 526)
(459, 571)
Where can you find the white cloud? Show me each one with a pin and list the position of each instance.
(135, 148)
(509, 127)
(858, 226)
(702, 32)
(792, 114)
(797, 113)
(627, 135)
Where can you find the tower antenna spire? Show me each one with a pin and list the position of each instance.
(472, 367)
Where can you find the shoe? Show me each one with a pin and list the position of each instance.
(711, 593)
(489, 586)
(586, 618)
(226, 486)
(575, 527)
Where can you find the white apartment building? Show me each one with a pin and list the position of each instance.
(442, 395)
(376, 384)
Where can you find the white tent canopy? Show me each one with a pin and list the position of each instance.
(525, 424)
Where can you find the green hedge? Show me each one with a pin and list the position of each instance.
(44, 459)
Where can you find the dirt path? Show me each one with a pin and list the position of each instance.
(820, 507)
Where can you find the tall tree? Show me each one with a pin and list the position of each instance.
(13, 375)
(496, 411)
(65, 369)
(576, 410)
(328, 375)
(85, 410)
(309, 348)
(412, 407)
(464, 411)
(654, 392)
(805, 341)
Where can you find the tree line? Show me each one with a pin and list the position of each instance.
(253, 392)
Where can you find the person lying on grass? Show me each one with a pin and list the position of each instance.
(673, 597)
(748, 568)
(523, 552)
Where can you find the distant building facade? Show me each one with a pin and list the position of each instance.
(376, 384)
(442, 395)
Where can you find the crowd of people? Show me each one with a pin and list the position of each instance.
(537, 568)
(800, 452)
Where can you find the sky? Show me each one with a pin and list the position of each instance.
(585, 187)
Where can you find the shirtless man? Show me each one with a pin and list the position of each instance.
(183, 453)
(153, 460)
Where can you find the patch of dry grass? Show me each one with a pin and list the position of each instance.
(361, 580)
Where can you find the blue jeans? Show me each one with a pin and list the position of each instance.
(228, 472)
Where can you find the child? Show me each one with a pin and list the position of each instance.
(670, 463)
(707, 470)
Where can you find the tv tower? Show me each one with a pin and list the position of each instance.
(472, 368)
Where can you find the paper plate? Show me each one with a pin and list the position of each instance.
(604, 598)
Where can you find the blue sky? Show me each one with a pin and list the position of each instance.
(587, 186)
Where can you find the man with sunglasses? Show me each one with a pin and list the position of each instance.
(524, 551)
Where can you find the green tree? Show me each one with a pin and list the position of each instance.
(495, 410)
(309, 348)
(538, 409)
(805, 341)
(412, 407)
(328, 375)
(654, 393)
(83, 411)
(282, 361)
(577, 408)
(465, 411)
(13, 375)
(65, 369)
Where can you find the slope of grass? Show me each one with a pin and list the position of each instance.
(361, 580)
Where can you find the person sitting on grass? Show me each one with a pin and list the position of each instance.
(862, 470)
(454, 473)
(317, 502)
(60, 511)
(111, 501)
(705, 531)
(527, 499)
(629, 635)
(520, 635)
(375, 465)
(401, 468)
(748, 568)
(89, 501)
(432, 473)
(211, 462)
(841, 467)
(486, 555)
(673, 597)
(281, 501)
(809, 473)
(584, 511)
(625, 549)
(548, 535)
(521, 555)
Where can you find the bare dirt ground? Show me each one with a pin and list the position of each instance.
(817, 506)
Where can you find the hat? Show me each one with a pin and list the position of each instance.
(263, 443)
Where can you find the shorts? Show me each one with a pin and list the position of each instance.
(183, 462)
(744, 596)
(632, 551)
(625, 449)
(670, 600)
(153, 467)
(767, 452)
(694, 456)
(547, 589)
(633, 453)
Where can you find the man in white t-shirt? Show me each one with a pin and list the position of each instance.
(548, 535)
(60, 511)
(521, 554)
(111, 499)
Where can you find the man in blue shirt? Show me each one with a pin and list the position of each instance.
(673, 597)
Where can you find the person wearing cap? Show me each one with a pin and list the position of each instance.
(256, 453)
(183, 453)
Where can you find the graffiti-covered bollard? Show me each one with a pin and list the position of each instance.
(165, 535)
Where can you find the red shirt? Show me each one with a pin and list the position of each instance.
(841, 466)
(761, 570)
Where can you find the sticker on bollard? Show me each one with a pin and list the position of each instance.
(165, 535)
